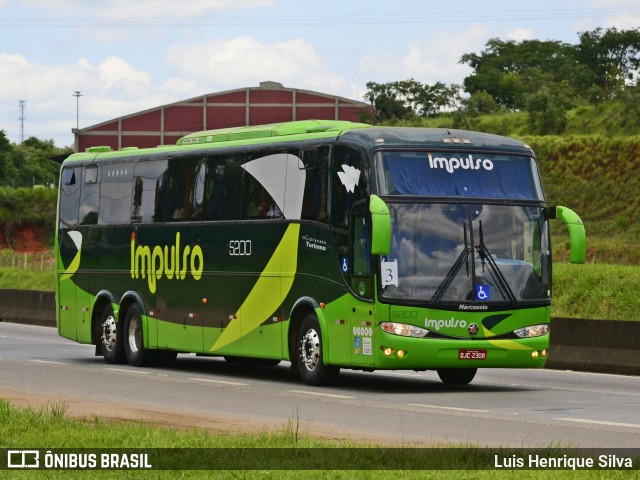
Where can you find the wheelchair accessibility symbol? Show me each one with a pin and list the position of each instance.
(483, 293)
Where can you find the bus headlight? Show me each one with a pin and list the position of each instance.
(533, 331)
(404, 330)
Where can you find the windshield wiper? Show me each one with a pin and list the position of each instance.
(453, 271)
(485, 256)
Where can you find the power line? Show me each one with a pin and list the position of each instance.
(309, 20)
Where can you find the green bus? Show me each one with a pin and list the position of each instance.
(328, 244)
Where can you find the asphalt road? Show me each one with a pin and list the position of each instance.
(509, 408)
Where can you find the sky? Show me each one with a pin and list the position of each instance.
(125, 56)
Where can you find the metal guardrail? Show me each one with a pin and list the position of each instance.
(604, 346)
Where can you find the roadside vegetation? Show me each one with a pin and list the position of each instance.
(51, 428)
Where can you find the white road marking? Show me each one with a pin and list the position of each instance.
(223, 382)
(455, 409)
(47, 361)
(319, 394)
(140, 372)
(600, 422)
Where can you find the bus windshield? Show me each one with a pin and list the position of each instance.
(440, 174)
(452, 252)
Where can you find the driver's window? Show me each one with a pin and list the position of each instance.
(361, 251)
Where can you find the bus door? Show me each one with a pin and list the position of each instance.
(181, 297)
(69, 251)
(361, 283)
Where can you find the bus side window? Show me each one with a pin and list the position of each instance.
(116, 188)
(149, 192)
(257, 202)
(69, 197)
(223, 187)
(314, 205)
(186, 189)
(349, 183)
(89, 197)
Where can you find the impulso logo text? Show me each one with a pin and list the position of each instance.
(466, 163)
(433, 324)
(170, 261)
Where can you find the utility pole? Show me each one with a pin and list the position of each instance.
(22, 104)
(77, 94)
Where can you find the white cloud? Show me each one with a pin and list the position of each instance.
(621, 14)
(109, 89)
(243, 61)
(433, 59)
(115, 72)
(519, 34)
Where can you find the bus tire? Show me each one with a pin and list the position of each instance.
(134, 349)
(111, 337)
(309, 354)
(457, 376)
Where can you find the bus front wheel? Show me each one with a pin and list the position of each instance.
(111, 344)
(309, 354)
(457, 376)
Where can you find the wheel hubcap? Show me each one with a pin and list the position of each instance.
(310, 349)
(109, 333)
(134, 334)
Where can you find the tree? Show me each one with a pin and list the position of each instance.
(29, 163)
(8, 170)
(385, 101)
(406, 99)
(34, 157)
(509, 70)
(546, 111)
(613, 57)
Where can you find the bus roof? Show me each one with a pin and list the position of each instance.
(365, 135)
(234, 136)
(377, 137)
(272, 130)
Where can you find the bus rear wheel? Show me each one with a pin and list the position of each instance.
(309, 354)
(457, 376)
(111, 344)
(137, 355)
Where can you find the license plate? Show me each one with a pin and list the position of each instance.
(472, 355)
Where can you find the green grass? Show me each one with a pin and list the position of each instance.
(51, 428)
(17, 278)
(605, 292)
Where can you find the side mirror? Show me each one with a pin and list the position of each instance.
(577, 238)
(380, 226)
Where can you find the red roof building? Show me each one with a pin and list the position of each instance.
(269, 103)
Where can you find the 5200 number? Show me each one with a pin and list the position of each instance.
(240, 247)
